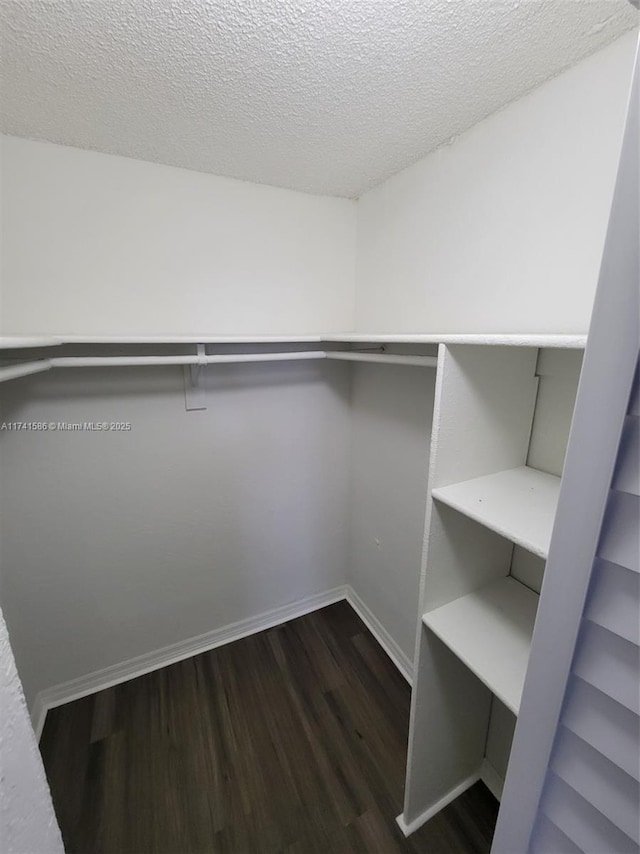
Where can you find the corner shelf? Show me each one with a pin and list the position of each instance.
(490, 631)
(519, 504)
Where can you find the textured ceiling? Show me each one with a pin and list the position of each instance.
(326, 96)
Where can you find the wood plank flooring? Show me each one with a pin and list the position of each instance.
(292, 740)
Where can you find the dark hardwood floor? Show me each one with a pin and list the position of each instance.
(292, 740)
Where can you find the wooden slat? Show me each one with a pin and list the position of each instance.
(609, 789)
(634, 400)
(614, 600)
(549, 839)
(587, 828)
(619, 542)
(610, 664)
(627, 474)
(607, 725)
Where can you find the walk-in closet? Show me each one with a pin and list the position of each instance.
(319, 482)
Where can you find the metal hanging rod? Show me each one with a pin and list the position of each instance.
(389, 358)
(10, 372)
(196, 359)
(13, 372)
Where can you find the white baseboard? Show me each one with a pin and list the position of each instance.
(492, 780)
(399, 658)
(65, 692)
(38, 712)
(424, 817)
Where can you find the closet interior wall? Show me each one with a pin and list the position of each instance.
(298, 478)
(117, 544)
(391, 414)
(501, 230)
(95, 244)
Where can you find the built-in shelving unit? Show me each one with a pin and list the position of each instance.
(490, 631)
(519, 504)
(499, 434)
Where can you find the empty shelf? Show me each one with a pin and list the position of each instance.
(519, 504)
(490, 631)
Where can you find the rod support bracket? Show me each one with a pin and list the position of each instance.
(194, 392)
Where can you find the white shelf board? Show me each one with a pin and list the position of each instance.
(490, 631)
(519, 504)
(190, 339)
(554, 341)
(493, 339)
(15, 342)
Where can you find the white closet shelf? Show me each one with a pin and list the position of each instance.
(577, 342)
(554, 341)
(490, 631)
(519, 504)
(192, 339)
(15, 342)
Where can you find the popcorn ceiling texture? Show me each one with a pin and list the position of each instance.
(324, 96)
(27, 821)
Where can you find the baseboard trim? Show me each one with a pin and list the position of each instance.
(492, 780)
(38, 712)
(98, 680)
(397, 656)
(65, 692)
(423, 818)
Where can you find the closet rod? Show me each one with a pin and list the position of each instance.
(10, 372)
(13, 372)
(215, 358)
(390, 358)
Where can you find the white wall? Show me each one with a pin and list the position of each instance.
(391, 412)
(27, 821)
(117, 544)
(501, 231)
(105, 245)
